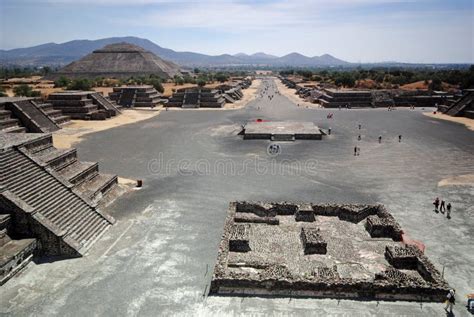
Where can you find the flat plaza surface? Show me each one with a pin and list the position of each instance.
(159, 257)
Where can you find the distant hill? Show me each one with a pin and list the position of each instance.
(53, 54)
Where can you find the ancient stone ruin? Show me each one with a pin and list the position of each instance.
(20, 115)
(136, 96)
(196, 97)
(321, 250)
(84, 105)
(49, 200)
(462, 107)
(281, 131)
(119, 60)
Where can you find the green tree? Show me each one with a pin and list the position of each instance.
(80, 84)
(201, 82)
(25, 91)
(221, 77)
(62, 82)
(156, 83)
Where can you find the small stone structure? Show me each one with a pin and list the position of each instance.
(196, 97)
(20, 115)
(136, 96)
(334, 98)
(281, 131)
(84, 105)
(266, 250)
(312, 241)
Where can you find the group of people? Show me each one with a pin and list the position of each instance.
(359, 138)
(441, 206)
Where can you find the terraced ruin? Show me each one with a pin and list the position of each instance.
(20, 115)
(84, 105)
(135, 96)
(321, 250)
(49, 198)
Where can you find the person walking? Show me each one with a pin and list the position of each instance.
(355, 150)
(400, 138)
(436, 204)
(380, 139)
(442, 206)
(358, 138)
(360, 126)
(450, 300)
(448, 211)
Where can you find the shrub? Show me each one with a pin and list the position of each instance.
(25, 91)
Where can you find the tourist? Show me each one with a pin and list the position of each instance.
(436, 204)
(355, 150)
(358, 138)
(400, 138)
(329, 131)
(360, 126)
(448, 211)
(442, 207)
(380, 139)
(450, 300)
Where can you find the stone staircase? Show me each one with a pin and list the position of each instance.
(84, 177)
(105, 104)
(55, 114)
(8, 124)
(71, 219)
(127, 98)
(461, 107)
(32, 116)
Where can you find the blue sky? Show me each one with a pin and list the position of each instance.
(354, 30)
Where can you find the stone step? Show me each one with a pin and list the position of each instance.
(49, 197)
(5, 114)
(8, 123)
(79, 172)
(100, 184)
(57, 158)
(40, 144)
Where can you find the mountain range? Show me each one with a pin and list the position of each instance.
(52, 54)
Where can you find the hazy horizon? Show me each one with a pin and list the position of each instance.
(365, 31)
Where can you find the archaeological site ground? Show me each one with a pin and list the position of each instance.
(261, 209)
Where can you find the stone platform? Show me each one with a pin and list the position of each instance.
(310, 250)
(282, 131)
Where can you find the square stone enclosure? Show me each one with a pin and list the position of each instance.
(321, 250)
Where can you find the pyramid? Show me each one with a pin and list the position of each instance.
(119, 60)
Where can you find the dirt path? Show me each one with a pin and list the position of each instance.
(469, 123)
(73, 133)
(290, 94)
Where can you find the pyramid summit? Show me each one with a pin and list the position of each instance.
(118, 60)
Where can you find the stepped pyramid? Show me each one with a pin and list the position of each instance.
(51, 196)
(21, 114)
(120, 60)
